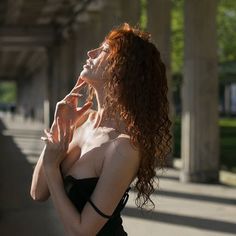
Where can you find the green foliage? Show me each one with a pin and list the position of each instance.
(143, 19)
(226, 33)
(177, 36)
(226, 30)
(7, 92)
(227, 142)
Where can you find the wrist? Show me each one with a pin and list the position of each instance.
(48, 162)
(52, 175)
(50, 168)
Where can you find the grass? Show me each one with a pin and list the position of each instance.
(227, 142)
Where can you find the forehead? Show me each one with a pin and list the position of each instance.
(104, 45)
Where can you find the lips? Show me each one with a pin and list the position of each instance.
(89, 63)
(86, 66)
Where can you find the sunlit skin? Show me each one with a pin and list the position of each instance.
(114, 154)
(93, 73)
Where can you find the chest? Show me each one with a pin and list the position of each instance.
(94, 146)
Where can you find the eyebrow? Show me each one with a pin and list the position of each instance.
(105, 44)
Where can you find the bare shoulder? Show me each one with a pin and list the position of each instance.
(122, 154)
(122, 144)
(118, 172)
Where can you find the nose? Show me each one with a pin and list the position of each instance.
(92, 53)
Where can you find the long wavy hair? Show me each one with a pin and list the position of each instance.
(136, 92)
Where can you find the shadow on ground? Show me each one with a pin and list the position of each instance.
(180, 220)
(19, 214)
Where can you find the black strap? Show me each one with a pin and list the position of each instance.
(98, 211)
(120, 207)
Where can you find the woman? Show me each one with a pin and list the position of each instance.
(91, 157)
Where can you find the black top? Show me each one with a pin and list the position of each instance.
(79, 192)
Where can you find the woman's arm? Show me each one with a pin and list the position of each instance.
(66, 110)
(120, 167)
(39, 189)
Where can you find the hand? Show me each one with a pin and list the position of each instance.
(67, 109)
(56, 148)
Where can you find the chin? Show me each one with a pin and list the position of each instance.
(84, 75)
(87, 76)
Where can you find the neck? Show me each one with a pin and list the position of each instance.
(99, 92)
(100, 119)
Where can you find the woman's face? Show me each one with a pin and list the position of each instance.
(94, 69)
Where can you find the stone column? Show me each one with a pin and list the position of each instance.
(158, 24)
(130, 11)
(61, 75)
(117, 12)
(82, 45)
(67, 66)
(200, 132)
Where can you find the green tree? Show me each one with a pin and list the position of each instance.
(177, 36)
(226, 30)
(7, 92)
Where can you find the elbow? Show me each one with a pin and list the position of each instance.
(38, 197)
(77, 230)
(77, 233)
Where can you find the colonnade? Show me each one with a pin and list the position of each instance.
(199, 135)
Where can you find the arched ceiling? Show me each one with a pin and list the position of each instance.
(28, 28)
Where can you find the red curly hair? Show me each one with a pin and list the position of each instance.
(137, 92)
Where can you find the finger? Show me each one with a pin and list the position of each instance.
(71, 133)
(47, 132)
(73, 95)
(82, 113)
(59, 129)
(62, 102)
(45, 139)
(79, 81)
(78, 87)
(76, 95)
(72, 98)
(67, 134)
(86, 106)
(49, 135)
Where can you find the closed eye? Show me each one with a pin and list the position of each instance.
(105, 50)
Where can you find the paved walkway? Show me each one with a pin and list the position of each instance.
(181, 209)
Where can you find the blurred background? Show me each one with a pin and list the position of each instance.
(43, 46)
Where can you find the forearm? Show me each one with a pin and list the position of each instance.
(67, 213)
(39, 190)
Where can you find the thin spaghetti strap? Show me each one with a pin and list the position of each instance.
(98, 211)
(119, 207)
